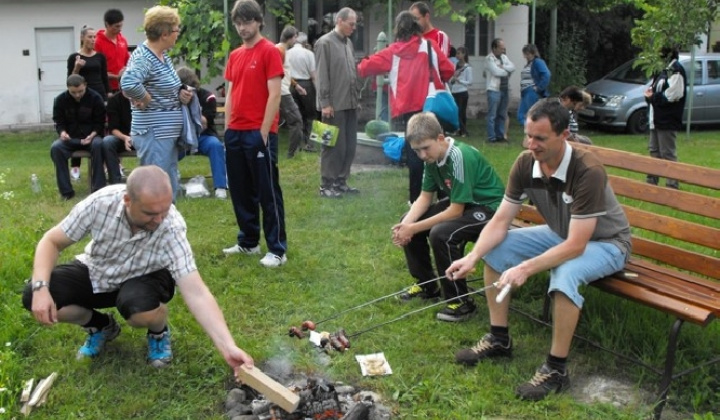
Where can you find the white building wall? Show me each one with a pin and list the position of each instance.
(19, 95)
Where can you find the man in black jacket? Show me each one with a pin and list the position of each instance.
(118, 139)
(666, 102)
(79, 116)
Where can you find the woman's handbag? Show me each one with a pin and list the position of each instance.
(439, 101)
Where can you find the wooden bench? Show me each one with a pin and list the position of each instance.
(674, 266)
(80, 154)
(220, 116)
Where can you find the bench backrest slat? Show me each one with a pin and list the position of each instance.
(690, 174)
(674, 228)
(680, 200)
(677, 257)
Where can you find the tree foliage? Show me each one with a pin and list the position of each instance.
(202, 44)
(672, 24)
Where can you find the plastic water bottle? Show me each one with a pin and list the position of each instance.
(35, 184)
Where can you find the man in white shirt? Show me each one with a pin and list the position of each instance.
(301, 62)
(498, 69)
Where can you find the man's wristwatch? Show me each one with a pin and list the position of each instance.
(37, 285)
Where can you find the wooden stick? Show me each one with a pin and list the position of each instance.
(26, 409)
(25, 396)
(42, 389)
(272, 390)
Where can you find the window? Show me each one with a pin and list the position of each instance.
(477, 35)
(713, 72)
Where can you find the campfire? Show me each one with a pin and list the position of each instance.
(320, 399)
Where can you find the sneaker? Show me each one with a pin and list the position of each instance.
(75, 173)
(122, 172)
(309, 148)
(271, 260)
(237, 249)
(545, 381)
(488, 346)
(330, 193)
(159, 349)
(221, 193)
(457, 312)
(96, 339)
(345, 189)
(416, 291)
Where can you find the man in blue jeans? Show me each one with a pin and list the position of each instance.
(586, 238)
(208, 143)
(498, 69)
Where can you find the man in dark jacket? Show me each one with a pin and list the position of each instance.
(666, 102)
(79, 115)
(118, 139)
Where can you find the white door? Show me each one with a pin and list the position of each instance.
(53, 45)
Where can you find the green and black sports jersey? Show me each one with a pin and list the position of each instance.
(465, 176)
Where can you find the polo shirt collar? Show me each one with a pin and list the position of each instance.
(451, 142)
(561, 172)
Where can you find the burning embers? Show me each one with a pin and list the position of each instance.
(319, 400)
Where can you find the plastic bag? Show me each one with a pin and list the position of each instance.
(197, 187)
(393, 148)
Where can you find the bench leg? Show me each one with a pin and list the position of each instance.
(667, 376)
(546, 308)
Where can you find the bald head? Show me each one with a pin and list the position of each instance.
(150, 180)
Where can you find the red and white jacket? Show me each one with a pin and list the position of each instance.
(407, 63)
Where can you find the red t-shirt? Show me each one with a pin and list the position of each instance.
(116, 54)
(440, 38)
(249, 69)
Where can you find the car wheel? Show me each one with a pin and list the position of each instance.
(638, 122)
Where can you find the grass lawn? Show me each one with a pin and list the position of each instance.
(340, 255)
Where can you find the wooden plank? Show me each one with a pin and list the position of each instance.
(682, 310)
(669, 285)
(695, 262)
(272, 390)
(688, 202)
(27, 388)
(691, 174)
(673, 227)
(42, 389)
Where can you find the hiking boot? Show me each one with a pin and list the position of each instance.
(416, 291)
(330, 193)
(271, 260)
(237, 249)
(651, 179)
(159, 349)
(95, 342)
(488, 346)
(545, 381)
(457, 311)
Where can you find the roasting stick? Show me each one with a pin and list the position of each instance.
(505, 290)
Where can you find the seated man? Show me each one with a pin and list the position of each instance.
(79, 116)
(473, 193)
(119, 122)
(208, 143)
(587, 237)
(138, 254)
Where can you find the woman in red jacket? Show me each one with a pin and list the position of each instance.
(406, 60)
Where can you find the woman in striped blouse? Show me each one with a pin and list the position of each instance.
(156, 93)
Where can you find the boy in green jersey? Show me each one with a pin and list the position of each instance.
(473, 192)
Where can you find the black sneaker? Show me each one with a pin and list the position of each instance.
(488, 346)
(416, 291)
(457, 311)
(330, 193)
(545, 381)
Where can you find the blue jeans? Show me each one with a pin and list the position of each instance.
(497, 113)
(528, 97)
(600, 259)
(213, 148)
(254, 185)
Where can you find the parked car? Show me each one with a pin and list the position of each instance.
(618, 98)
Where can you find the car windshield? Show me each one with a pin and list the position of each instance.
(627, 74)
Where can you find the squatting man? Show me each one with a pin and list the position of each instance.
(138, 254)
